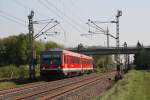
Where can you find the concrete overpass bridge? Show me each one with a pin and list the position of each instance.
(108, 51)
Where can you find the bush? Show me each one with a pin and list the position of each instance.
(8, 71)
(12, 72)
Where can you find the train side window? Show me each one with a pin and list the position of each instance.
(83, 61)
(65, 59)
(68, 61)
(75, 60)
(72, 59)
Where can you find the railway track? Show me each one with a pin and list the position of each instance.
(50, 90)
(21, 87)
(72, 87)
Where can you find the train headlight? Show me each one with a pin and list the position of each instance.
(59, 67)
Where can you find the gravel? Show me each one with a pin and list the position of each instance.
(88, 92)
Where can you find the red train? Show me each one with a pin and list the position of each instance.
(56, 62)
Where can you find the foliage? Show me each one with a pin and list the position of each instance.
(13, 72)
(134, 86)
(10, 71)
(6, 85)
(51, 44)
(142, 58)
(103, 62)
(14, 49)
(80, 46)
(12, 76)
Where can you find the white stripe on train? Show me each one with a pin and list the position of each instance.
(70, 69)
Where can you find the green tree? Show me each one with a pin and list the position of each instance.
(142, 58)
(15, 49)
(2, 52)
(103, 61)
(50, 44)
(39, 46)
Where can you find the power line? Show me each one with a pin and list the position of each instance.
(42, 3)
(68, 22)
(22, 5)
(64, 32)
(13, 19)
(46, 31)
(43, 28)
(28, 7)
(62, 13)
(35, 22)
(12, 16)
(3, 16)
(73, 5)
(25, 6)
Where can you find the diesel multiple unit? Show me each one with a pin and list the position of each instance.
(63, 62)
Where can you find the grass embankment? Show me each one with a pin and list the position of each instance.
(11, 76)
(134, 86)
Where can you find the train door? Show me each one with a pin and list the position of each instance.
(81, 63)
(65, 67)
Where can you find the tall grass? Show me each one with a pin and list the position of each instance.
(134, 86)
(13, 72)
(11, 76)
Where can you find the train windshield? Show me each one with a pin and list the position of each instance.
(51, 58)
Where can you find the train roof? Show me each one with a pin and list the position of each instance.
(55, 49)
(71, 53)
(76, 54)
(68, 52)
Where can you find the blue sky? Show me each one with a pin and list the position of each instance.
(73, 14)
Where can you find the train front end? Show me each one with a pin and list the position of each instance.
(51, 63)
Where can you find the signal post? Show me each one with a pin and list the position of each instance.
(31, 48)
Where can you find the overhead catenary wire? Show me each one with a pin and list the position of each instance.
(51, 10)
(70, 23)
(10, 19)
(69, 18)
(43, 28)
(64, 32)
(35, 22)
(21, 22)
(44, 21)
(14, 19)
(98, 26)
(19, 3)
(93, 27)
(80, 12)
(42, 3)
(5, 13)
(45, 31)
